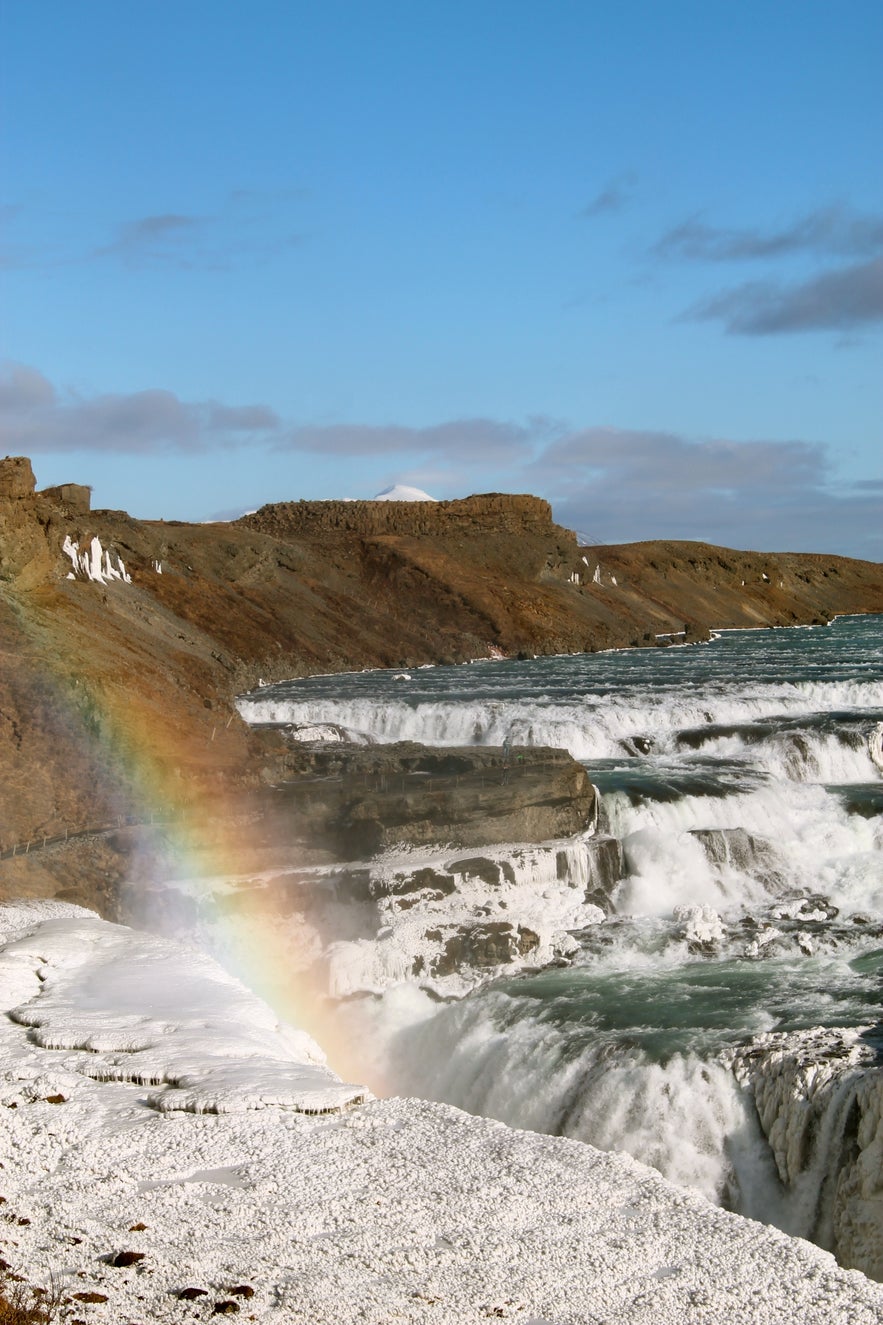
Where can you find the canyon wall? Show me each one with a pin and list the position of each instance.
(125, 641)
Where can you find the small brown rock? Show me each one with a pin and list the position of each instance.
(124, 1258)
(226, 1308)
(90, 1297)
(191, 1294)
(241, 1290)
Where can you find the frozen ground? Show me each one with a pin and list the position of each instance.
(389, 1210)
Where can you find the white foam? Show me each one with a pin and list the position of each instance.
(594, 728)
(814, 844)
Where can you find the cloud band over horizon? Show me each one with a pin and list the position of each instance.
(613, 484)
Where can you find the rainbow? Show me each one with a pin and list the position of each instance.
(134, 753)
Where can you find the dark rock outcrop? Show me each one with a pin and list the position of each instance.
(356, 800)
(75, 498)
(489, 945)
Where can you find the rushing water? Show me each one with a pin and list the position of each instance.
(743, 779)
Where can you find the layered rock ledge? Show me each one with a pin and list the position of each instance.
(356, 800)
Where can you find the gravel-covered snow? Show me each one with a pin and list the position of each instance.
(391, 1210)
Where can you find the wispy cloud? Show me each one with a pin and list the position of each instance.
(616, 195)
(649, 463)
(621, 485)
(242, 418)
(476, 441)
(247, 228)
(35, 417)
(243, 233)
(842, 300)
(616, 484)
(165, 239)
(832, 231)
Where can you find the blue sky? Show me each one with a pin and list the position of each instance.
(627, 257)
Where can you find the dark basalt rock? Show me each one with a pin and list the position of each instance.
(356, 800)
(421, 881)
(483, 945)
(479, 867)
(742, 850)
(123, 1259)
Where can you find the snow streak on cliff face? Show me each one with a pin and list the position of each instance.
(389, 1210)
(98, 564)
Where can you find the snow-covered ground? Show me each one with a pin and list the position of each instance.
(387, 1210)
(403, 492)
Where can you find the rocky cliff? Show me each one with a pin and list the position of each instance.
(490, 513)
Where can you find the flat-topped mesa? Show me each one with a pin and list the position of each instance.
(488, 513)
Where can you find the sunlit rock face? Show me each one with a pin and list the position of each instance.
(16, 478)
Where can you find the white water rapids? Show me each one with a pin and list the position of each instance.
(743, 782)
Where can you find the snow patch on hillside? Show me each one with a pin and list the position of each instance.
(95, 563)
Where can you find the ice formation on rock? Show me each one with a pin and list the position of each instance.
(97, 564)
(819, 1097)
